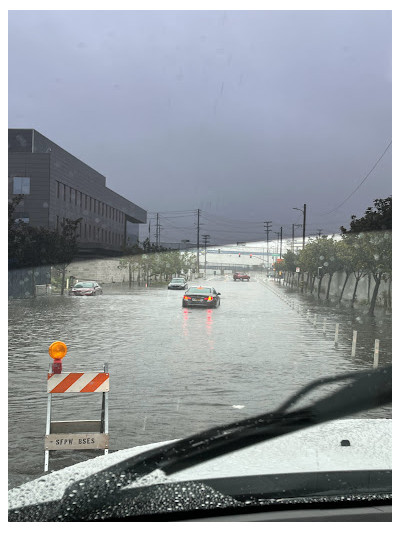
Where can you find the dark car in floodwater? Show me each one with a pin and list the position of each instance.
(201, 297)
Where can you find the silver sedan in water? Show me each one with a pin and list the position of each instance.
(178, 283)
(86, 288)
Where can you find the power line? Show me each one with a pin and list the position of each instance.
(358, 186)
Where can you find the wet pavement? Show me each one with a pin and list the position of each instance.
(175, 371)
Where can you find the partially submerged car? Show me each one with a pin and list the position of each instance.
(86, 288)
(201, 297)
(241, 276)
(178, 284)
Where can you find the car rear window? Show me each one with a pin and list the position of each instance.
(204, 290)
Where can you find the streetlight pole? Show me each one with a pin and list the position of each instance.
(198, 241)
(304, 222)
(304, 238)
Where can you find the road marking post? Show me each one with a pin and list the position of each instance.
(76, 434)
(376, 354)
(353, 344)
(337, 335)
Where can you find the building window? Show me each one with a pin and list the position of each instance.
(21, 185)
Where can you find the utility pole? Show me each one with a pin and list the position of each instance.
(304, 222)
(278, 234)
(294, 226)
(198, 240)
(267, 230)
(304, 237)
(280, 250)
(205, 238)
(158, 231)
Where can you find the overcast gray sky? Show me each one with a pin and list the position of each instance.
(243, 115)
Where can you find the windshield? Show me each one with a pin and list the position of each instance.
(246, 154)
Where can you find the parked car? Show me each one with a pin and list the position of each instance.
(86, 288)
(178, 283)
(201, 297)
(241, 276)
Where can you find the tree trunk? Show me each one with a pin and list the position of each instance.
(33, 283)
(329, 286)
(390, 294)
(374, 294)
(319, 285)
(344, 285)
(312, 284)
(355, 290)
(62, 280)
(369, 287)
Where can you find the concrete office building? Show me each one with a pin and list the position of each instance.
(56, 186)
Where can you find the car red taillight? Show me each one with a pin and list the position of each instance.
(187, 298)
(209, 298)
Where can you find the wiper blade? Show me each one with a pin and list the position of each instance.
(364, 390)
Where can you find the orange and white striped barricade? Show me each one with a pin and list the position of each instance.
(76, 434)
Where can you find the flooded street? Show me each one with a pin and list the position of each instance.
(173, 371)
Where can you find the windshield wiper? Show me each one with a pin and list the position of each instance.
(364, 390)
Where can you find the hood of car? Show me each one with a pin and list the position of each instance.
(316, 449)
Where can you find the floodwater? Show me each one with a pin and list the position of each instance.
(175, 371)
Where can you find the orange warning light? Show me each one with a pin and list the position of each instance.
(57, 350)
